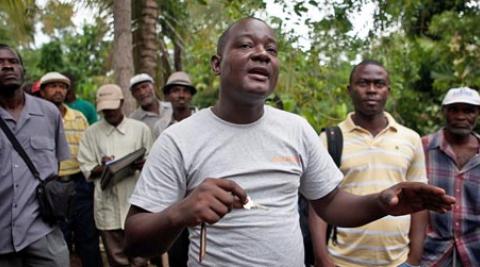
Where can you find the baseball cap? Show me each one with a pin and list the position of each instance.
(462, 95)
(54, 77)
(179, 78)
(140, 78)
(109, 96)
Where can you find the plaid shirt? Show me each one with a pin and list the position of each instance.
(460, 228)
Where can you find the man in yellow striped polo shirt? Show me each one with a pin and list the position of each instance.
(54, 87)
(377, 153)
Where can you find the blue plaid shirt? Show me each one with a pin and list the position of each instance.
(460, 228)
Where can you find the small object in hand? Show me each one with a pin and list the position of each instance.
(203, 242)
(252, 205)
(203, 229)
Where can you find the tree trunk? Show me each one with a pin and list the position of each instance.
(177, 56)
(146, 46)
(122, 50)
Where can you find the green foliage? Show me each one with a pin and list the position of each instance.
(16, 21)
(51, 57)
(85, 56)
(57, 16)
(427, 46)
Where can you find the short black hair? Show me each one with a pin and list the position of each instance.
(4, 46)
(222, 41)
(366, 62)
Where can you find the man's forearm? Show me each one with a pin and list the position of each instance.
(149, 234)
(348, 210)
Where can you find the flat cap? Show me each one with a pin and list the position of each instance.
(140, 78)
(54, 77)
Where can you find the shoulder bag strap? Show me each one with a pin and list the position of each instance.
(16, 145)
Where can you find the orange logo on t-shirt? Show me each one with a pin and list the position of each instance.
(285, 159)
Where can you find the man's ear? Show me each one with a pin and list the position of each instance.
(215, 64)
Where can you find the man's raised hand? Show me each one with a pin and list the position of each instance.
(410, 197)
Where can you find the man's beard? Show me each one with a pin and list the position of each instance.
(8, 90)
(147, 101)
(462, 132)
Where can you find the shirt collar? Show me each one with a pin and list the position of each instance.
(30, 108)
(109, 129)
(162, 107)
(69, 114)
(438, 140)
(350, 126)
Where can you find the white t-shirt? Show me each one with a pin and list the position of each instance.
(271, 159)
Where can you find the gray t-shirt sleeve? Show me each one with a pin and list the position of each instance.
(162, 180)
(320, 175)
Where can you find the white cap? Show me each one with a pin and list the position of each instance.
(52, 77)
(109, 96)
(140, 78)
(462, 95)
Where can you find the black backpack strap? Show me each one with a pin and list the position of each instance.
(335, 143)
(335, 149)
(16, 145)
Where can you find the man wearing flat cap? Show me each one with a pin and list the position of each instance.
(179, 91)
(113, 137)
(453, 163)
(150, 109)
(53, 88)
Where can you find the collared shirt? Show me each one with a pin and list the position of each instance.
(75, 125)
(40, 131)
(102, 139)
(151, 118)
(371, 164)
(165, 122)
(460, 228)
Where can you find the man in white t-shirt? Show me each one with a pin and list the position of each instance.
(201, 170)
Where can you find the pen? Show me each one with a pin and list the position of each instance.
(203, 242)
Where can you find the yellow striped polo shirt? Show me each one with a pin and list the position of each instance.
(371, 164)
(74, 124)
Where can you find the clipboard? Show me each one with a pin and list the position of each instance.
(117, 170)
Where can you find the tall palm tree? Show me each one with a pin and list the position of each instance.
(122, 50)
(17, 21)
(145, 36)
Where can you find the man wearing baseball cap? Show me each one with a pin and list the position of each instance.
(113, 137)
(53, 88)
(150, 109)
(453, 163)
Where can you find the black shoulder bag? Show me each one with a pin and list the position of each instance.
(55, 196)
